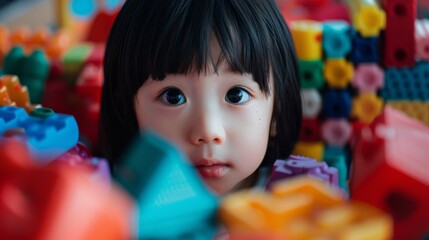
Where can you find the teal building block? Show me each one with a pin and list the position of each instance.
(337, 157)
(32, 70)
(336, 41)
(311, 74)
(33, 74)
(12, 60)
(172, 200)
(47, 136)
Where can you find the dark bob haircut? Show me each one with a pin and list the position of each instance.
(153, 38)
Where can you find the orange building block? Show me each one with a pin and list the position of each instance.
(53, 203)
(18, 95)
(302, 208)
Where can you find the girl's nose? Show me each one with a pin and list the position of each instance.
(207, 127)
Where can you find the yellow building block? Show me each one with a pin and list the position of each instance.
(415, 109)
(309, 149)
(366, 107)
(338, 72)
(307, 36)
(368, 18)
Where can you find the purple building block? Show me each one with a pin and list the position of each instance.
(298, 165)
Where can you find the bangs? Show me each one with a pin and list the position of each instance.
(179, 42)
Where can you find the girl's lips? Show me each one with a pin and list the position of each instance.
(212, 171)
(210, 168)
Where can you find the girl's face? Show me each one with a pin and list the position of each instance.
(220, 120)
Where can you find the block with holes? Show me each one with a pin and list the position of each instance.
(399, 40)
(389, 171)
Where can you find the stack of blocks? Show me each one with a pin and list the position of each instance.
(344, 70)
(340, 76)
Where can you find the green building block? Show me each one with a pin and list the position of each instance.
(311, 74)
(74, 60)
(172, 200)
(337, 157)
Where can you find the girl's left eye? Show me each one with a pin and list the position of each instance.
(237, 96)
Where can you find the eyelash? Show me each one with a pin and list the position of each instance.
(181, 98)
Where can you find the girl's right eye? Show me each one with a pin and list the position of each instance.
(172, 96)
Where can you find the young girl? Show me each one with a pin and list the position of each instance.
(218, 78)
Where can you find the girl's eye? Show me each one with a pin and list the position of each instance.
(237, 96)
(173, 96)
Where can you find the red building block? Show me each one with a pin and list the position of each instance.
(310, 130)
(96, 55)
(100, 26)
(389, 171)
(399, 42)
(52, 203)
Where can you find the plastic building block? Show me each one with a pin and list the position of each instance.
(33, 74)
(311, 103)
(311, 74)
(368, 78)
(32, 70)
(100, 26)
(368, 19)
(307, 36)
(338, 72)
(16, 94)
(39, 38)
(399, 39)
(46, 133)
(73, 61)
(63, 17)
(297, 166)
(12, 59)
(19, 36)
(40, 202)
(365, 50)
(336, 103)
(4, 43)
(79, 156)
(422, 39)
(90, 82)
(406, 84)
(337, 157)
(415, 109)
(169, 193)
(309, 149)
(58, 44)
(310, 130)
(257, 212)
(336, 132)
(367, 106)
(96, 55)
(336, 39)
(389, 171)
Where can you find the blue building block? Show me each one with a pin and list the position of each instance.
(407, 83)
(47, 135)
(172, 201)
(365, 50)
(337, 157)
(336, 39)
(337, 103)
